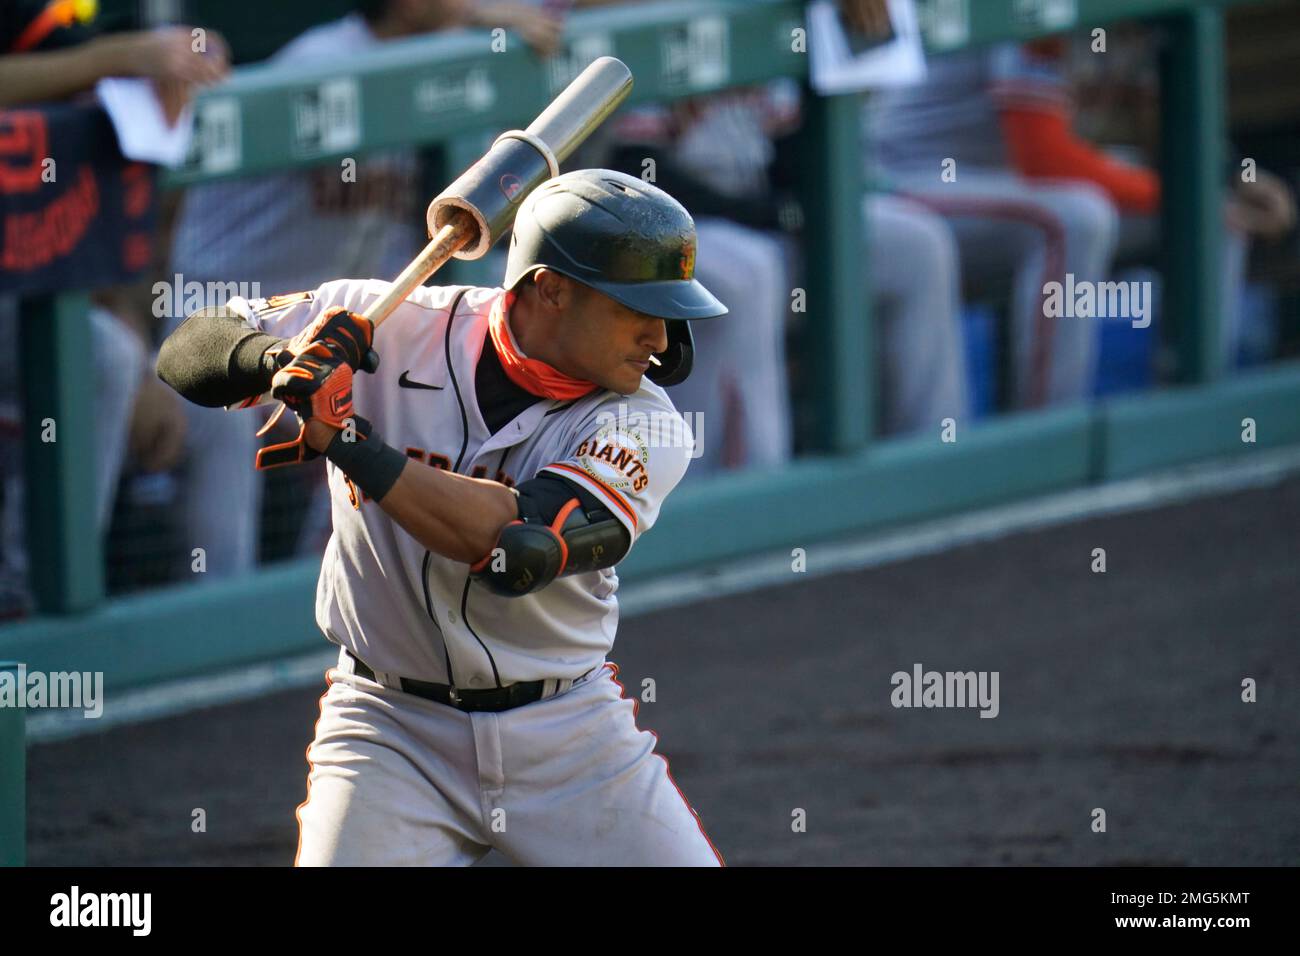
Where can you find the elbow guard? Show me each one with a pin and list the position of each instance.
(561, 529)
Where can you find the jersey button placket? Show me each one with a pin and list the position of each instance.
(491, 773)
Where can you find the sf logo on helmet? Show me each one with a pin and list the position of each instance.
(688, 260)
(510, 186)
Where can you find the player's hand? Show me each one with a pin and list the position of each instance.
(317, 387)
(170, 53)
(336, 331)
(1265, 208)
(317, 435)
(315, 382)
(541, 29)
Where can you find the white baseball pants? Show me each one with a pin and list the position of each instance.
(397, 780)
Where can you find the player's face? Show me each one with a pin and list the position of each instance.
(607, 343)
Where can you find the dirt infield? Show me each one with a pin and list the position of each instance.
(1119, 691)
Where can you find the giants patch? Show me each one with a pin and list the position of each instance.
(617, 457)
(290, 299)
(281, 301)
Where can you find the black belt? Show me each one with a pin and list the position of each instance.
(493, 699)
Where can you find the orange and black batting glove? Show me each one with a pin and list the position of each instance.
(315, 379)
(337, 331)
(315, 385)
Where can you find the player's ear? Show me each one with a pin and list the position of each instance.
(557, 292)
(551, 289)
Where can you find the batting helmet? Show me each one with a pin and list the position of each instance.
(626, 238)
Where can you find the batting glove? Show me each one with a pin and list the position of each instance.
(315, 380)
(337, 332)
(316, 385)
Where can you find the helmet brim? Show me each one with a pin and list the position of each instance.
(668, 299)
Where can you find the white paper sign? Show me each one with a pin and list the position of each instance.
(141, 126)
(836, 68)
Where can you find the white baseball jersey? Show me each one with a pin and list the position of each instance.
(409, 612)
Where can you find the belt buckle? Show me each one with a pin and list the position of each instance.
(452, 696)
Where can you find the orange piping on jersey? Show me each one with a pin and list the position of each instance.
(311, 767)
(635, 707)
(615, 498)
(532, 375)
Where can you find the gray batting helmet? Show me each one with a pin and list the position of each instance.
(622, 236)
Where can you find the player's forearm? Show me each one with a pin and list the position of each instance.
(452, 515)
(1043, 146)
(505, 13)
(56, 74)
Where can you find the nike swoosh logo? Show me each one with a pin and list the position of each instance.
(405, 382)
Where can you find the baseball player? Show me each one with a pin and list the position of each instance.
(485, 481)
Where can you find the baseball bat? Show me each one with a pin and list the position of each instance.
(472, 213)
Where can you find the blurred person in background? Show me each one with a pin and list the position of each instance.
(1112, 97)
(914, 268)
(1027, 193)
(949, 144)
(49, 52)
(295, 230)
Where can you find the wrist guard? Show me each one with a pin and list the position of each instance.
(371, 465)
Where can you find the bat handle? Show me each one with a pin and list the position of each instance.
(459, 230)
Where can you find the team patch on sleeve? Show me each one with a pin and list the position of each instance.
(612, 464)
(617, 457)
(277, 302)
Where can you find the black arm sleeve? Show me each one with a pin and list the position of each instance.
(214, 359)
